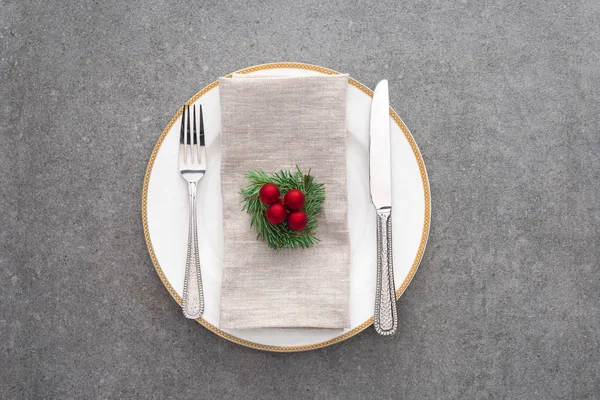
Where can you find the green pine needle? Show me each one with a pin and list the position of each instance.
(282, 236)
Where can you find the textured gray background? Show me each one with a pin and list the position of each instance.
(502, 98)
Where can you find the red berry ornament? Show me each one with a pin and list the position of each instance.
(297, 220)
(294, 199)
(276, 213)
(269, 193)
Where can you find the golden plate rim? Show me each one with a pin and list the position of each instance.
(359, 328)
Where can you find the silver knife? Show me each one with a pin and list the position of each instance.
(380, 177)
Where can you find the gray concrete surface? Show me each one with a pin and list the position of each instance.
(502, 97)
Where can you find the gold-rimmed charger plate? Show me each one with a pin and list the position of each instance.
(163, 221)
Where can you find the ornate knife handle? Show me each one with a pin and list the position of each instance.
(386, 315)
(193, 296)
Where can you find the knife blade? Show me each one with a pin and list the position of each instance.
(380, 179)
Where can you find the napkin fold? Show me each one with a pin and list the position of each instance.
(274, 123)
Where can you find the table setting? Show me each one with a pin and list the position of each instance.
(222, 200)
(306, 212)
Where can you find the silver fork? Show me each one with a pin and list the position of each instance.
(192, 166)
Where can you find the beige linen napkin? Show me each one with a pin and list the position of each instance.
(274, 123)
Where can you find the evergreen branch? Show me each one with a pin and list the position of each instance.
(282, 236)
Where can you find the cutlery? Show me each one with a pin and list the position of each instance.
(386, 316)
(192, 166)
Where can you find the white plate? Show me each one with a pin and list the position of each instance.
(164, 213)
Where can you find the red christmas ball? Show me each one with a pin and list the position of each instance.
(297, 220)
(269, 193)
(276, 213)
(294, 199)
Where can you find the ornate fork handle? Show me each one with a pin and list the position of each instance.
(193, 296)
(386, 316)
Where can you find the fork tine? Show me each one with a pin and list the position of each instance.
(182, 125)
(195, 139)
(196, 149)
(201, 127)
(188, 125)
